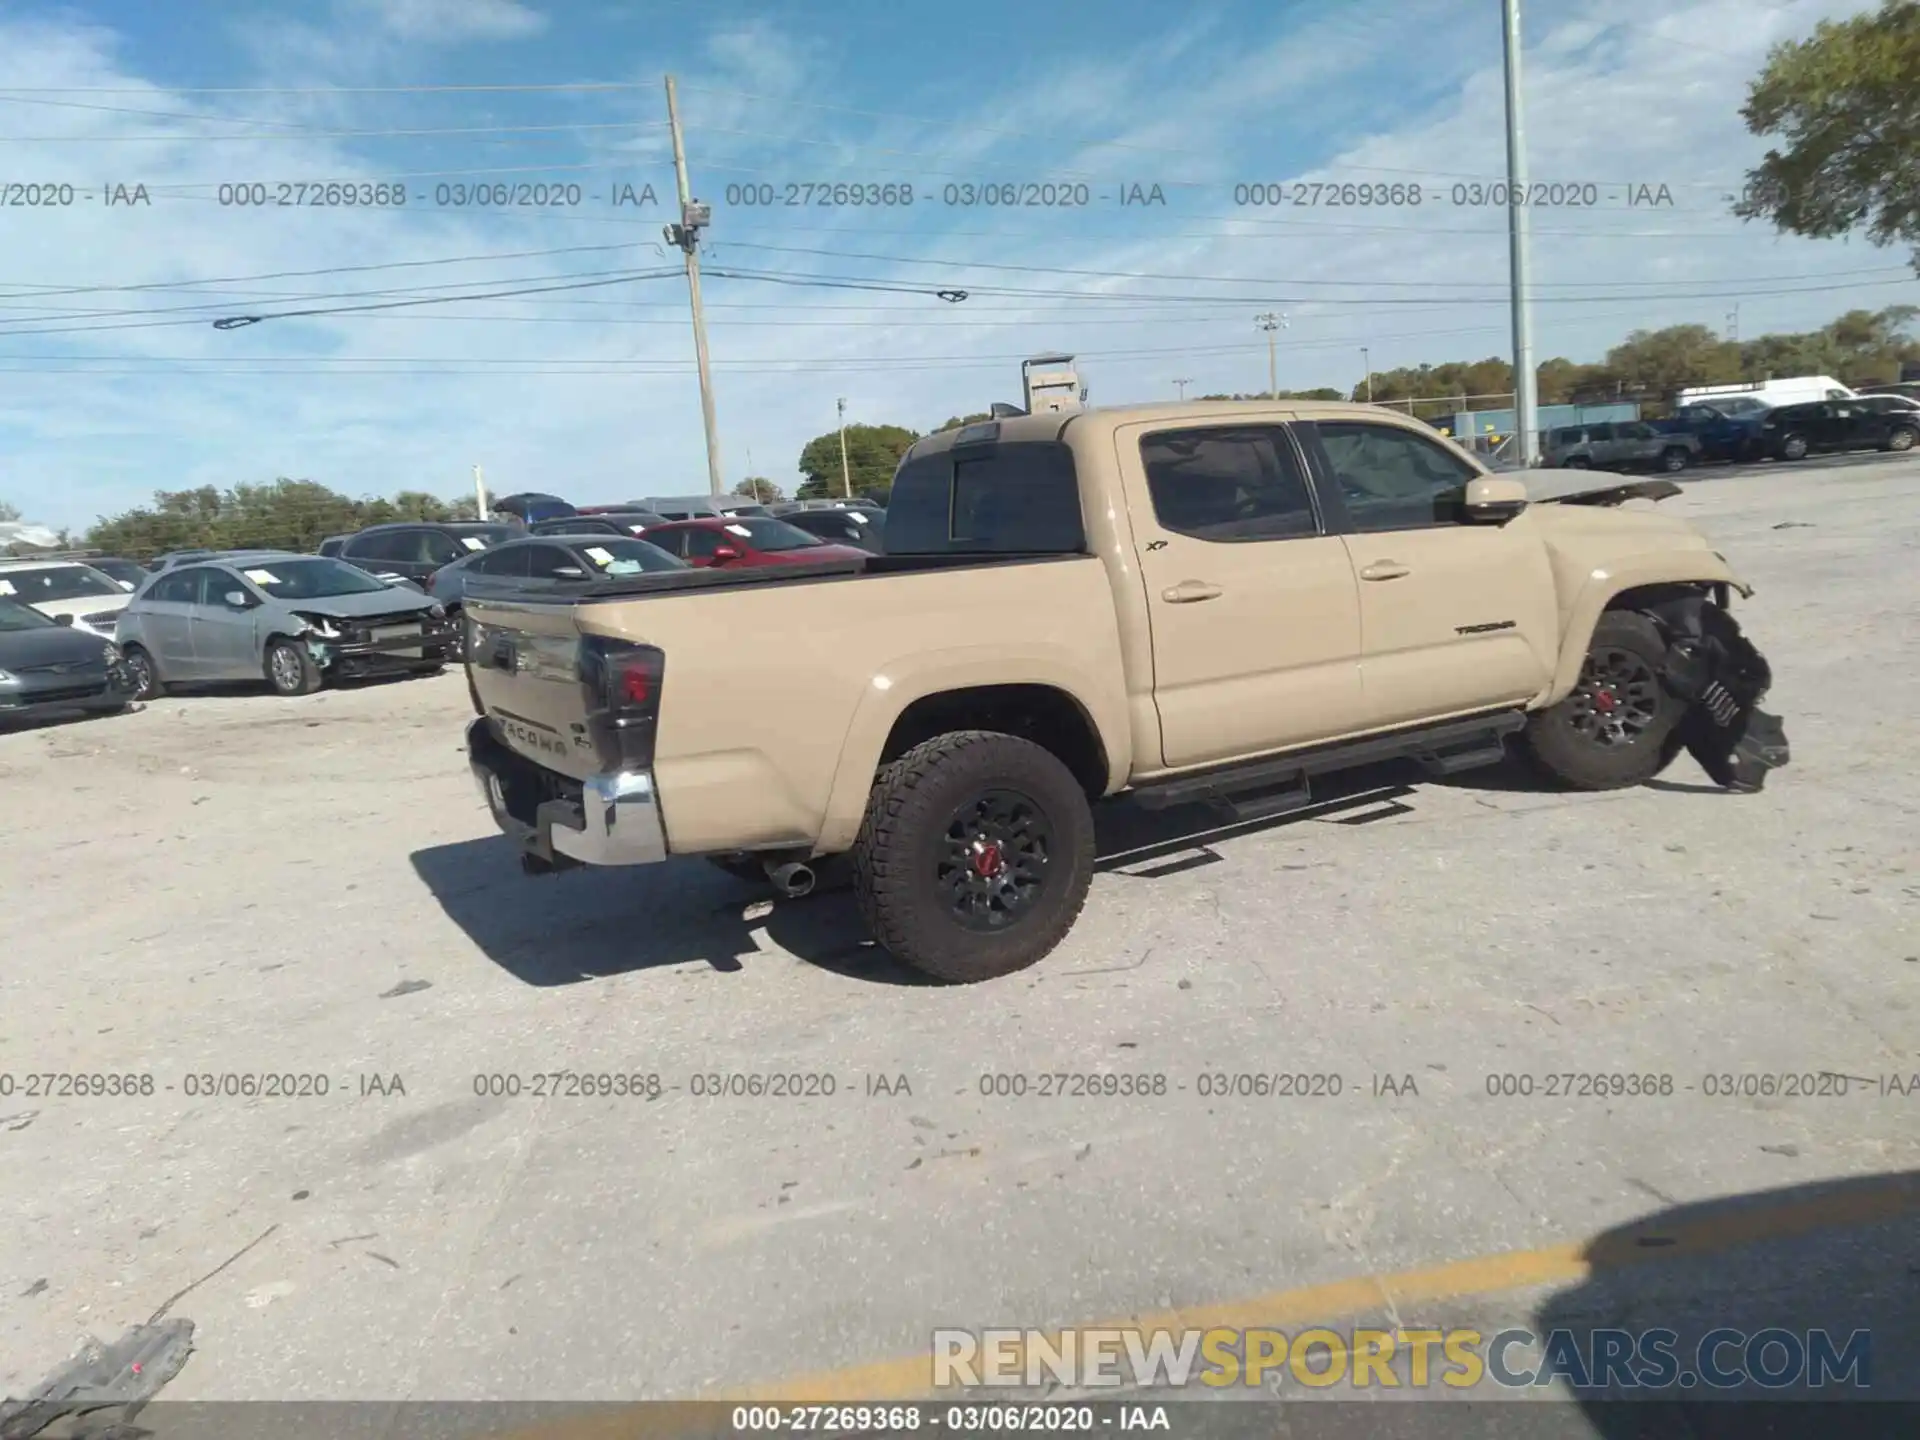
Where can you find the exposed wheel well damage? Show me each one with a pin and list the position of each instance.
(1656, 600)
(1050, 718)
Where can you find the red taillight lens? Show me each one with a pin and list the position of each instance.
(636, 683)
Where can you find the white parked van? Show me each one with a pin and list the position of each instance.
(1794, 391)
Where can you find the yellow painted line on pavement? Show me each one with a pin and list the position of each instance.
(910, 1377)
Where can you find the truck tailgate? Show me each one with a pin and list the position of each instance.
(523, 658)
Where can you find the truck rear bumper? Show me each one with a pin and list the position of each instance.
(603, 820)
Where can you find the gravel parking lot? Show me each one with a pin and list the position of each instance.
(240, 885)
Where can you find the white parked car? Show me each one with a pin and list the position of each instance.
(91, 597)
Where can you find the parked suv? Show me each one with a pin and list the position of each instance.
(531, 508)
(1620, 445)
(413, 550)
(1724, 433)
(1794, 431)
(694, 507)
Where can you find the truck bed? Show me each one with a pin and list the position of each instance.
(680, 582)
(782, 684)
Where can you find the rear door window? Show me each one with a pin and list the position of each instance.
(1227, 484)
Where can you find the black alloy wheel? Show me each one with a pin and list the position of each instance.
(1617, 699)
(992, 868)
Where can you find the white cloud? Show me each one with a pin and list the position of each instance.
(1653, 96)
(445, 22)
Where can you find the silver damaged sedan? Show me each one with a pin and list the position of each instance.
(293, 620)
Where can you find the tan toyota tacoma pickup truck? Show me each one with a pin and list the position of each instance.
(1201, 602)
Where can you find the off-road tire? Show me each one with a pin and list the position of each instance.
(295, 676)
(146, 674)
(1793, 447)
(1576, 462)
(1674, 460)
(427, 667)
(1901, 438)
(896, 859)
(1556, 741)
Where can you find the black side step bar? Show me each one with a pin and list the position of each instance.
(1263, 788)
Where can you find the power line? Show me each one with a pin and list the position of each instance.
(330, 134)
(1367, 283)
(567, 86)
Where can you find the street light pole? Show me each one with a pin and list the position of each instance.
(1367, 362)
(1181, 385)
(1524, 393)
(846, 475)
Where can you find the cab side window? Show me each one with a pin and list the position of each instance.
(1394, 479)
(1228, 483)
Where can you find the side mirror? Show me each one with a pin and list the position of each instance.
(1495, 498)
(726, 552)
(63, 620)
(569, 572)
(237, 599)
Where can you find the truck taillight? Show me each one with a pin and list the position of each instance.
(621, 684)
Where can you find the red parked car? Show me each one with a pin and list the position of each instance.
(746, 540)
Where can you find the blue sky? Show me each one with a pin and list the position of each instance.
(113, 382)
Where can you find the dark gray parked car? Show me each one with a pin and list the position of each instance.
(48, 667)
(293, 620)
(853, 525)
(542, 561)
(1619, 445)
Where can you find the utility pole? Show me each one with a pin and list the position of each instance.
(1524, 396)
(480, 493)
(1270, 323)
(1181, 385)
(846, 475)
(693, 219)
(1367, 363)
(1733, 323)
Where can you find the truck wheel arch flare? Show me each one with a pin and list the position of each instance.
(901, 683)
(1605, 585)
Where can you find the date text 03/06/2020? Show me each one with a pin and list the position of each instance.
(448, 195)
(1468, 194)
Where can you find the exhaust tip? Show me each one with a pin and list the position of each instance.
(791, 880)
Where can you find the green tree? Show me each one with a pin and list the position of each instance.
(873, 454)
(1658, 362)
(8, 512)
(285, 515)
(759, 489)
(1846, 103)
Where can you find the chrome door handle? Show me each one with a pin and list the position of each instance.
(1385, 570)
(1188, 591)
